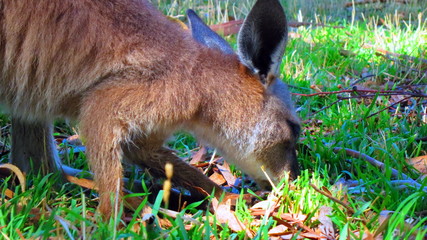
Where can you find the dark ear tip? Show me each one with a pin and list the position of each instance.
(190, 12)
(206, 36)
(192, 15)
(262, 38)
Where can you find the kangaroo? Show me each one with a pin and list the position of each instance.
(131, 78)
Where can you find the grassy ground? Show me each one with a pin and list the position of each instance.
(362, 200)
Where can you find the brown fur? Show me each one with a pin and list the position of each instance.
(131, 78)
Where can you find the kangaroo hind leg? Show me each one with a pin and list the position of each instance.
(33, 141)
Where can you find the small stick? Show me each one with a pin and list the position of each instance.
(296, 221)
(370, 96)
(210, 162)
(388, 53)
(380, 165)
(421, 139)
(299, 24)
(389, 92)
(233, 27)
(359, 96)
(4, 153)
(382, 110)
(403, 183)
(324, 108)
(361, 2)
(362, 79)
(349, 209)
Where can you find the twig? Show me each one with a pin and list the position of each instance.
(233, 27)
(349, 209)
(421, 73)
(370, 96)
(421, 139)
(357, 184)
(72, 171)
(374, 93)
(403, 183)
(377, 93)
(388, 53)
(360, 96)
(296, 221)
(414, 85)
(283, 220)
(376, 163)
(298, 87)
(422, 213)
(389, 92)
(211, 162)
(175, 214)
(324, 108)
(299, 24)
(373, 114)
(362, 79)
(4, 153)
(361, 2)
(66, 225)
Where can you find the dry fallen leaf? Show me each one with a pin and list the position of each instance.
(278, 230)
(310, 235)
(217, 178)
(264, 205)
(367, 235)
(384, 219)
(224, 215)
(199, 156)
(326, 227)
(419, 163)
(293, 217)
(9, 193)
(83, 182)
(226, 172)
(289, 236)
(74, 140)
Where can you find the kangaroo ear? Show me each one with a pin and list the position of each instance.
(262, 38)
(204, 35)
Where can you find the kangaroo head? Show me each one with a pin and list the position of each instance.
(267, 138)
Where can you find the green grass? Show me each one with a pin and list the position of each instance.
(312, 60)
